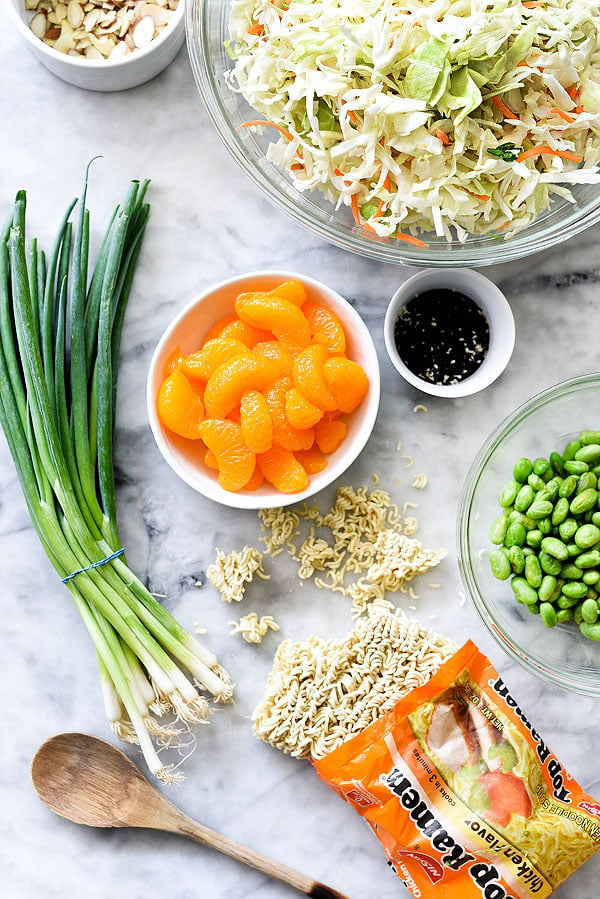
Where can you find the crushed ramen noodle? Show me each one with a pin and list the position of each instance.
(363, 535)
(229, 574)
(463, 793)
(321, 692)
(252, 628)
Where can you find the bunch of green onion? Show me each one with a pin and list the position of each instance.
(60, 330)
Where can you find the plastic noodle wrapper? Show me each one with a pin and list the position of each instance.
(462, 791)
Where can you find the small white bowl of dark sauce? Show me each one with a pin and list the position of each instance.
(449, 332)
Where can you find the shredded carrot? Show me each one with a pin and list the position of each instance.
(352, 115)
(296, 166)
(257, 28)
(338, 172)
(380, 209)
(579, 109)
(408, 238)
(355, 209)
(530, 4)
(574, 91)
(506, 112)
(538, 151)
(441, 135)
(387, 184)
(280, 128)
(564, 115)
(477, 196)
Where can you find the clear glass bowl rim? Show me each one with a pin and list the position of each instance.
(585, 681)
(488, 251)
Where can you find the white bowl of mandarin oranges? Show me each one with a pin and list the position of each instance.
(263, 390)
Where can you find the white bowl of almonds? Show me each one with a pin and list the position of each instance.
(103, 45)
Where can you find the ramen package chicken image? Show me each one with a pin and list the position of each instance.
(463, 793)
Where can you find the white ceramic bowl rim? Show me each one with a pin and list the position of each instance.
(496, 309)
(13, 7)
(335, 467)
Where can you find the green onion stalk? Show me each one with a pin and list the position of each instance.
(60, 331)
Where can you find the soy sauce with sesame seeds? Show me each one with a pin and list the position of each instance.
(442, 336)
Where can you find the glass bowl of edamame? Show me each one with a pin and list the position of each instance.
(528, 534)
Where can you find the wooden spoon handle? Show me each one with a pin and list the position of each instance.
(188, 827)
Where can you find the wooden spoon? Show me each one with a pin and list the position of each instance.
(89, 781)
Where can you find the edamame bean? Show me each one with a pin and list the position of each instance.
(581, 502)
(524, 498)
(533, 571)
(534, 538)
(500, 565)
(574, 467)
(560, 511)
(547, 588)
(523, 591)
(498, 529)
(586, 536)
(548, 614)
(542, 466)
(567, 529)
(516, 557)
(590, 577)
(540, 509)
(515, 534)
(570, 572)
(557, 463)
(563, 615)
(523, 468)
(596, 519)
(568, 486)
(590, 453)
(575, 589)
(588, 479)
(586, 437)
(589, 559)
(570, 450)
(555, 548)
(508, 494)
(589, 611)
(566, 602)
(591, 631)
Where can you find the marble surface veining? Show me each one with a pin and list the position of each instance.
(208, 222)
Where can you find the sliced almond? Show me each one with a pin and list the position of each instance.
(38, 25)
(143, 31)
(75, 13)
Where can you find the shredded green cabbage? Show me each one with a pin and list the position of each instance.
(415, 114)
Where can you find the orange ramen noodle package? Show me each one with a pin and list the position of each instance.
(461, 790)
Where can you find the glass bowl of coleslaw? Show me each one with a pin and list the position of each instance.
(408, 133)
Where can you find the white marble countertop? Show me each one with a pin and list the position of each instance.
(208, 222)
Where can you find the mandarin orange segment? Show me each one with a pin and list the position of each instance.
(312, 460)
(284, 435)
(210, 459)
(236, 462)
(300, 412)
(245, 332)
(325, 327)
(272, 349)
(286, 320)
(281, 469)
(257, 479)
(215, 330)
(256, 422)
(309, 378)
(347, 382)
(179, 406)
(329, 435)
(294, 291)
(172, 361)
(200, 365)
(235, 377)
